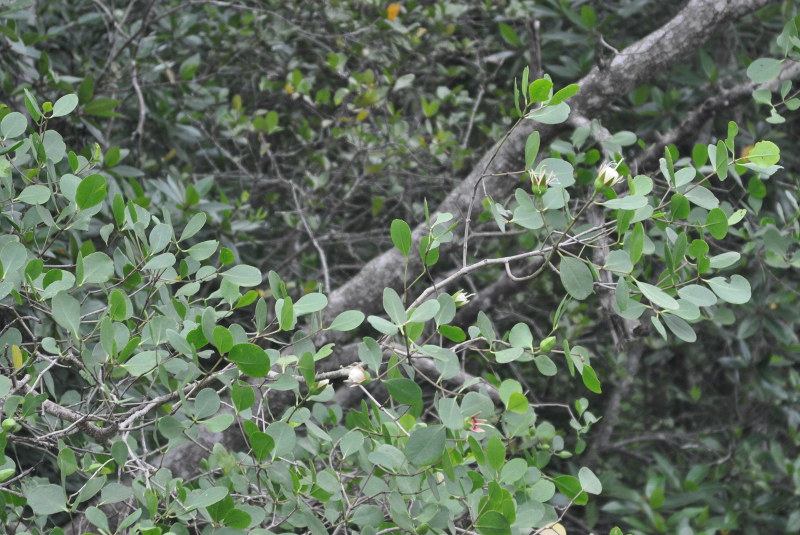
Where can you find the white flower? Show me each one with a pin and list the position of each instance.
(356, 376)
(461, 298)
(608, 174)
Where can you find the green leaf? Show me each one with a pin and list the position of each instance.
(206, 403)
(91, 191)
(65, 105)
(590, 380)
(34, 194)
(142, 363)
(242, 275)
(14, 124)
(67, 312)
(285, 312)
(189, 66)
(383, 326)
(723, 260)
(394, 306)
(401, 236)
(47, 499)
(699, 155)
(453, 333)
(680, 328)
(517, 402)
(405, 391)
(520, 336)
(687, 174)
(193, 226)
(550, 114)
(702, 197)
(630, 202)
(589, 481)
(717, 223)
(118, 305)
(539, 90)
(159, 262)
(699, 295)
(764, 70)
(635, 242)
(242, 395)
(250, 359)
(495, 453)
(619, 261)
(657, 296)
(542, 491)
(737, 291)
(571, 487)
(424, 312)
(545, 365)
(347, 321)
(450, 414)
(5, 386)
(67, 462)
(32, 106)
(426, 445)
(98, 268)
(563, 94)
(508, 355)
(203, 250)
(576, 278)
(493, 523)
(679, 207)
(223, 339)
(721, 160)
(310, 303)
(205, 497)
(116, 492)
(756, 188)
(513, 470)
(160, 237)
(351, 442)
(509, 35)
(531, 149)
(764, 154)
(102, 107)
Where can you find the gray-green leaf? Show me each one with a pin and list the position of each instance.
(576, 278)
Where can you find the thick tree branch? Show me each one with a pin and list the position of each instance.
(692, 26)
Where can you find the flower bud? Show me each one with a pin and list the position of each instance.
(356, 376)
(547, 344)
(461, 298)
(474, 424)
(539, 181)
(608, 176)
(9, 424)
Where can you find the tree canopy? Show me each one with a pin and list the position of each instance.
(420, 267)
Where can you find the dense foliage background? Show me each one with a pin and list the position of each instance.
(302, 131)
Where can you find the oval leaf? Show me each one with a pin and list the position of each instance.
(576, 278)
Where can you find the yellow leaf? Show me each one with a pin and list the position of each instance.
(392, 11)
(363, 114)
(16, 357)
(554, 528)
(289, 88)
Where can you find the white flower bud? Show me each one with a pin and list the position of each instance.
(356, 376)
(461, 298)
(608, 174)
